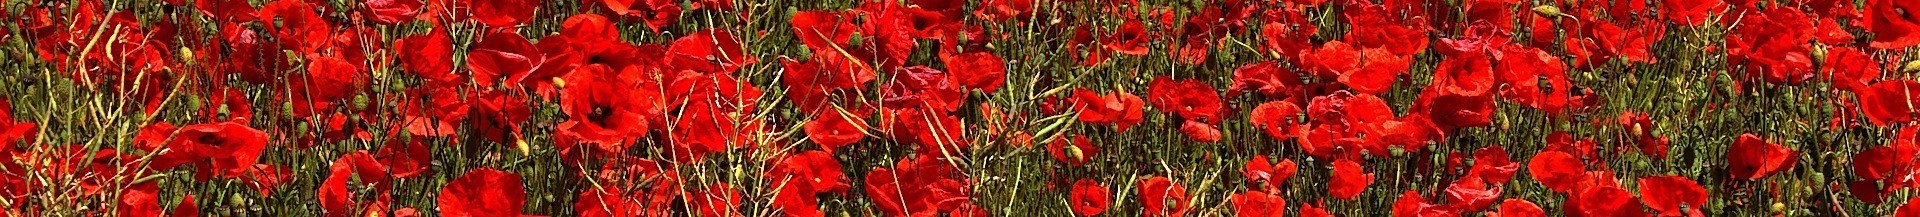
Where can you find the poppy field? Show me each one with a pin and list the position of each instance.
(1510, 108)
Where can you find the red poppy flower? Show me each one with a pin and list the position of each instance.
(1461, 95)
(1131, 38)
(825, 73)
(1258, 204)
(1279, 119)
(1349, 180)
(1471, 194)
(1411, 203)
(1691, 12)
(1754, 158)
(1557, 170)
(1534, 78)
(326, 84)
(1893, 165)
(1258, 170)
(1768, 49)
(1331, 60)
(1640, 127)
(1909, 209)
(1629, 43)
(1160, 196)
(657, 13)
(824, 30)
(392, 12)
(810, 171)
(1122, 109)
(1200, 131)
(503, 55)
(405, 159)
(495, 115)
(139, 200)
(1310, 210)
(1266, 77)
(590, 29)
(1492, 164)
(1850, 69)
(606, 202)
(709, 51)
(1287, 32)
(922, 87)
(1830, 32)
(1003, 10)
(429, 55)
(225, 149)
(1191, 99)
(924, 185)
(1563, 141)
(601, 110)
(1889, 102)
(931, 133)
(337, 193)
(833, 130)
(504, 13)
(1520, 208)
(1669, 194)
(1603, 201)
(982, 71)
(299, 27)
(1893, 24)
(483, 192)
(1089, 198)
(1376, 26)
(266, 177)
(716, 113)
(1075, 151)
(1377, 73)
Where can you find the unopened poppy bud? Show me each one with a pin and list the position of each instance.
(1779, 207)
(1911, 66)
(559, 83)
(186, 54)
(739, 174)
(1548, 10)
(1820, 54)
(237, 198)
(360, 102)
(193, 103)
(522, 145)
(1075, 153)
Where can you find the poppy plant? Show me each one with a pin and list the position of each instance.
(959, 108)
(1089, 198)
(1752, 158)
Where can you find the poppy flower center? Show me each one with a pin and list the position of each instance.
(210, 139)
(596, 59)
(599, 114)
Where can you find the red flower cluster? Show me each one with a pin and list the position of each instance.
(933, 107)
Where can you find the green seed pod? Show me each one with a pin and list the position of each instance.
(360, 102)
